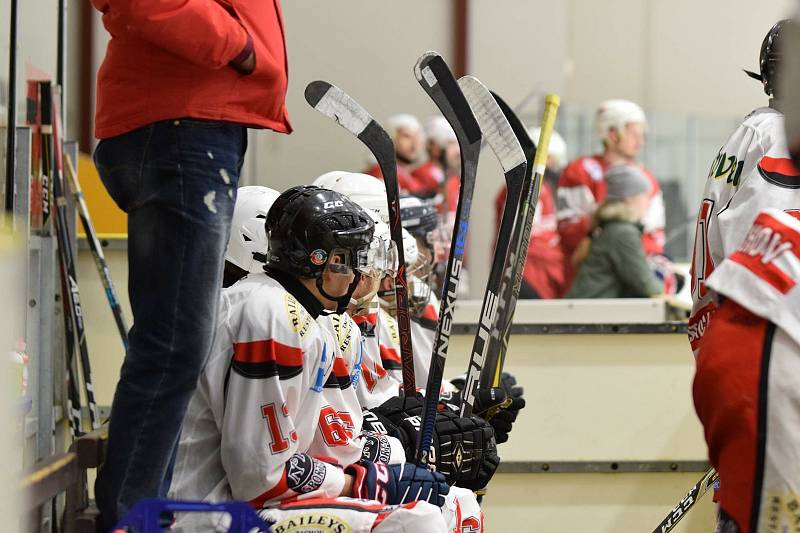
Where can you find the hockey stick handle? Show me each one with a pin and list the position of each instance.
(551, 104)
(97, 251)
(688, 501)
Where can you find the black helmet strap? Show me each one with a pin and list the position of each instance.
(342, 301)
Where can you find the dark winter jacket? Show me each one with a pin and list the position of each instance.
(615, 266)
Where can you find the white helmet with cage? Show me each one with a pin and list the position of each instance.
(367, 191)
(617, 114)
(247, 246)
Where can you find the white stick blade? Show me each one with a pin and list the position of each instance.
(494, 126)
(337, 105)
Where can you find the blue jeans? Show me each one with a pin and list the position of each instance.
(177, 181)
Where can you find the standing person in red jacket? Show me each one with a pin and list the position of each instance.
(406, 133)
(543, 276)
(181, 82)
(621, 125)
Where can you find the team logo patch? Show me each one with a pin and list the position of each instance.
(311, 522)
(304, 474)
(376, 448)
(593, 168)
(471, 525)
(318, 257)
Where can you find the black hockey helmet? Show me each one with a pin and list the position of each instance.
(771, 56)
(308, 225)
(419, 217)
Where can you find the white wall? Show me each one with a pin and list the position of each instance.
(679, 56)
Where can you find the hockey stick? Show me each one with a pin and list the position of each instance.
(438, 82)
(688, 501)
(11, 122)
(337, 105)
(66, 257)
(97, 251)
(500, 137)
(498, 345)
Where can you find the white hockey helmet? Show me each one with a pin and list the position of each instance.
(402, 120)
(557, 149)
(617, 114)
(438, 130)
(247, 246)
(367, 191)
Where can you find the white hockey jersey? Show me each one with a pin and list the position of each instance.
(763, 274)
(256, 407)
(339, 430)
(378, 383)
(751, 172)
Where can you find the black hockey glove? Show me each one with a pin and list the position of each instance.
(397, 484)
(462, 449)
(501, 413)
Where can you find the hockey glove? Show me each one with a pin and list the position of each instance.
(501, 413)
(397, 484)
(462, 448)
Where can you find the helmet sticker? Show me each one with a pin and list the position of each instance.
(318, 257)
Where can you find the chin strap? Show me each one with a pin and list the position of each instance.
(342, 301)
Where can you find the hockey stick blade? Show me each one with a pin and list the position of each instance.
(688, 501)
(512, 276)
(436, 79)
(337, 105)
(500, 137)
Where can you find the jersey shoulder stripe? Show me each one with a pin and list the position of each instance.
(267, 358)
(779, 171)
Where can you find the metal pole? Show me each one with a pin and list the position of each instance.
(11, 127)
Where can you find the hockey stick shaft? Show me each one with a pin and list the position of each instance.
(500, 137)
(65, 254)
(73, 395)
(97, 251)
(438, 82)
(337, 105)
(11, 130)
(688, 501)
(496, 357)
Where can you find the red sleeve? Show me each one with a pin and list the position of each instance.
(200, 31)
(573, 219)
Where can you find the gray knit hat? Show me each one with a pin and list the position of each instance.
(624, 181)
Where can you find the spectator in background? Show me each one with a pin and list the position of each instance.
(543, 276)
(442, 147)
(621, 125)
(615, 266)
(180, 84)
(406, 133)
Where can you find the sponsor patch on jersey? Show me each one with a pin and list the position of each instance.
(318, 257)
(299, 319)
(344, 331)
(770, 250)
(779, 171)
(304, 474)
(311, 522)
(391, 325)
(593, 168)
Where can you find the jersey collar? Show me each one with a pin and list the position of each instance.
(298, 290)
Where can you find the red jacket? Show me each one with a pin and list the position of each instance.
(170, 58)
(544, 266)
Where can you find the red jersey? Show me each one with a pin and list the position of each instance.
(428, 178)
(544, 267)
(406, 183)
